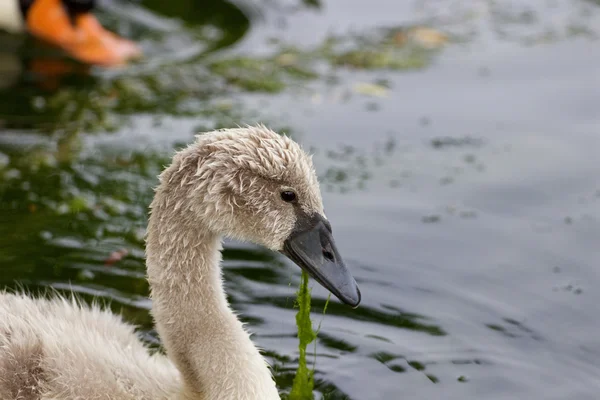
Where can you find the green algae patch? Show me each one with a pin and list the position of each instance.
(400, 48)
(302, 387)
(269, 74)
(304, 381)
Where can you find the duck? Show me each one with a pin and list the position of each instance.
(246, 183)
(70, 26)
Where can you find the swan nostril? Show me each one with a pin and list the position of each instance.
(328, 255)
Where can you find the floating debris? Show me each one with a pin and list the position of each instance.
(115, 257)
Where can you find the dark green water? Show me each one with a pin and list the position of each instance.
(461, 179)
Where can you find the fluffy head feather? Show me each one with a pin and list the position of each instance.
(232, 181)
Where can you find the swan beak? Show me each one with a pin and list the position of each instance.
(312, 248)
(81, 36)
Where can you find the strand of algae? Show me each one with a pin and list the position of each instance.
(303, 385)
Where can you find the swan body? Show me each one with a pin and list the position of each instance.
(60, 349)
(234, 183)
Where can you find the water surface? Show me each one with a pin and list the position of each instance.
(461, 181)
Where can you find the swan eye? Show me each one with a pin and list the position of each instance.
(288, 196)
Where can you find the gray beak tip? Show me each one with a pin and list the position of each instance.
(311, 246)
(352, 299)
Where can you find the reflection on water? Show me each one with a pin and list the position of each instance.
(459, 170)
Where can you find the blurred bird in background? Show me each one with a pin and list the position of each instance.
(70, 26)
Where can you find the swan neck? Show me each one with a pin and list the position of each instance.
(201, 334)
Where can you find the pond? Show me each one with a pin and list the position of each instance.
(457, 144)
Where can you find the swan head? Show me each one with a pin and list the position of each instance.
(255, 185)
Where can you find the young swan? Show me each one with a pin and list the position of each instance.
(250, 184)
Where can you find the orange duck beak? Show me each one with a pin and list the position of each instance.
(81, 36)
